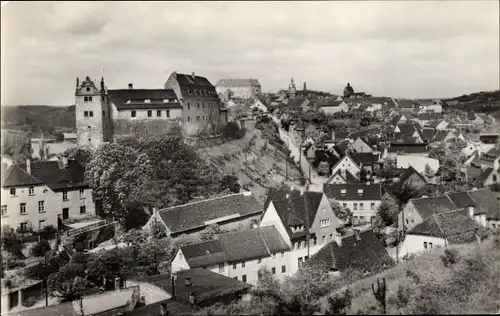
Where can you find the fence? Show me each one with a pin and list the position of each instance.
(76, 231)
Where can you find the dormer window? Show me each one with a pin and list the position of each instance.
(343, 191)
(147, 101)
(128, 101)
(360, 191)
(165, 101)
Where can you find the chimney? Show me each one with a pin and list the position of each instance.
(65, 161)
(193, 74)
(131, 86)
(305, 86)
(191, 297)
(163, 309)
(356, 234)
(188, 281)
(28, 166)
(287, 196)
(471, 211)
(117, 284)
(333, 135)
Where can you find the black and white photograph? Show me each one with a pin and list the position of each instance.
(250, 158)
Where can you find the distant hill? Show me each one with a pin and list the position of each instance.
(39, 117)
(482, 95)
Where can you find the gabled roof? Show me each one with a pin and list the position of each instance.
(457, 227)
(292, 211)
(366, 159)
(341, 147)
(408, 148)
(408, 173)
(428, 206)
(126, 99)
(348, 178)
(407, 129)
(194, 81)
(441, 135)
(394, 121)
(46, 172)
(236, 246)
(488, 201)
(428, 134)
(196, 215)
(354, 191)
(483, 176)
(366, 254)
(238, 82)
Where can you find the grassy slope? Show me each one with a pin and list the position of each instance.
(39, 116)
(266, 167)
(466, 287)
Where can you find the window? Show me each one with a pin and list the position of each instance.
(41, 206)
(189, 106)
(197, 119)
(243, 264)
(132, 113)
(103, 113)
(234, 266)
(24, 226)
(324, 222)
(361, 206)
(273, 270)
(4, 210)
(244, 278)
(331, 237)
(300, 261)
(158, 113)
(168, 113)
(355, 207)
(82, 209)
(82, 193)
(306, 257)
(89, 139)
(85, 99)
(88, 89)
(203, 105)
(430, 245)
(150, 113)
(41, 224)
(274, 256)
(203, 117)
(425, 245)
(362, 219)
(31, 190)
(372, 206)
(343, 192)
(282, 255)
(189, 119)
(324, 239)
(91, 113)
(85, 113)
(315, 241)
(147, 101)
(283, 269)
(88, 127)
(65, 195)
(198, 104)
(344, 205)
(259, 260)
(221, 267)
(22, 208)
(407, 221)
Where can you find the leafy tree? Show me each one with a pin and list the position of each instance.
(70, 282)
(428, 172)
(80, 155)
(232, 131)
(389, 170)
(40, 248)
(386, 216)
(267, 284)
(108, 265)
(404, 193)
(450, 169)
(342, 213)
(230, 182)
(153, 254)
(12, 242)
(210, 233)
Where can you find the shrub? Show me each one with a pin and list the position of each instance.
(449, 257)
(30, 301)
(339, 304)
(412, 276)
(232, 131)
(40, 248)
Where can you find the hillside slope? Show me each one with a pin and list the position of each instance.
(424, 285)
(266, 163)
(42, 117)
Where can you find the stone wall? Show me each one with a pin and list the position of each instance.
(145, 127)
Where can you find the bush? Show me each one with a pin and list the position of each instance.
(339, 304)
(40, 248)
(449, 257)
(48, 232)
(30, 301)
(232, 131)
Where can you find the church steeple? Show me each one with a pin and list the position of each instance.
(291, 89)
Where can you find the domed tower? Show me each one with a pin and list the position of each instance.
(348, 90)
(292, 89)
(93, 120)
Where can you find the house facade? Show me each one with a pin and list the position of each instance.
(360, 146)
(348, 164)
(239, 88)
(334, 107)
(35, 194)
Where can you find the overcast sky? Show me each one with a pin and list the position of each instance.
(404, 49)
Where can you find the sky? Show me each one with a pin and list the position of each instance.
(419, 49)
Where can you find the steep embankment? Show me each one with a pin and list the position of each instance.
(260, 167)
(424, 285)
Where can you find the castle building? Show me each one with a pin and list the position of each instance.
(292, 89)
(239, 88)
(188, 104)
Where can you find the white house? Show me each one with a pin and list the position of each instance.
(334, 107)
(348, 164)
(440, 230)
(360, 146)
(259, 105)
(342, 176)
(362, 199)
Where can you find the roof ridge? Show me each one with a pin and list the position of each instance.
(29, 174)
(434, 216)
(202, 201)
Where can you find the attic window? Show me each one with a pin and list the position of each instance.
(190, 92)
(343, 191)
(360, 191)
(88, 89)
(165, 101)
(147, 101)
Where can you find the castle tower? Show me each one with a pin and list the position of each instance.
(292, 89)
(93, 120)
